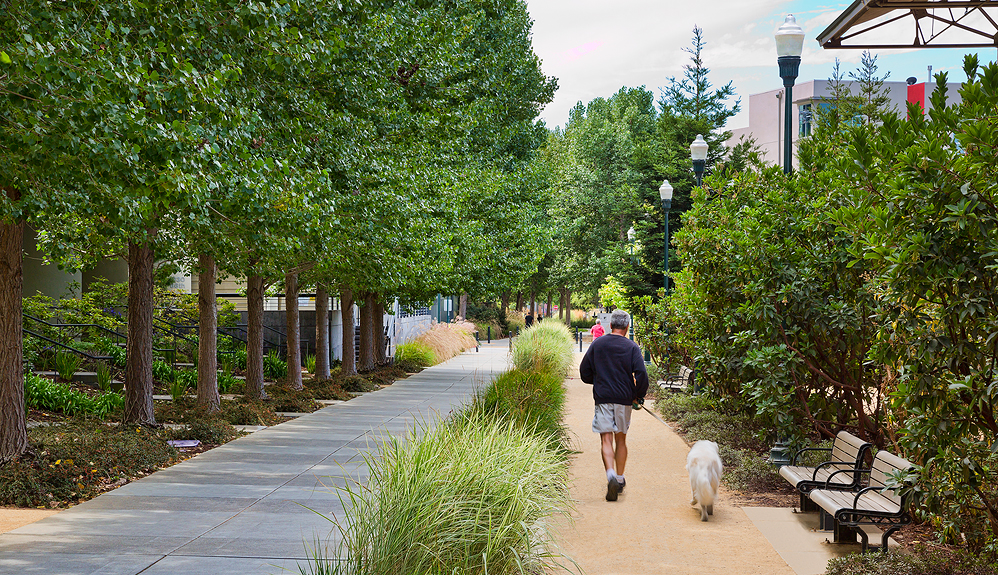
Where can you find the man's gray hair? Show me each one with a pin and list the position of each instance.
(619, 319)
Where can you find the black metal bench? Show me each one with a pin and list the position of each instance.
(678, 382)
(876, 504)
(842, 471)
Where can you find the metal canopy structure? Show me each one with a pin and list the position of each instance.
(869, 24)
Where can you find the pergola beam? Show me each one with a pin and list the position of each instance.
(952, 14)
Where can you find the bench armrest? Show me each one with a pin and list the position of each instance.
(793, 458)
(828, 481)
(855, 501)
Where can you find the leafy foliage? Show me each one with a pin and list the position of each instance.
(41, 393)
(860, 294)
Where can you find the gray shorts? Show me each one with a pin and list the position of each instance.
(612, 418)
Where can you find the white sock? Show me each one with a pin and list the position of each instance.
(610, 474)
(620, 479)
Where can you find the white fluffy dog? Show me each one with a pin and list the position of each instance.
(704, 465)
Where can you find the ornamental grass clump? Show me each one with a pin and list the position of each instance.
(415, 354)
(533, 400)
(467, 497)
(544, 347)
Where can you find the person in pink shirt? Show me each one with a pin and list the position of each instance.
(596, 330)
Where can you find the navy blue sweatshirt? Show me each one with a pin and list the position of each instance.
(614, 367)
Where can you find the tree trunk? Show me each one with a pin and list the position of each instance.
(519, 300)
(366, 360)
(254, 338)
(321, 332)
(348, 366)
(550, 299)
(13, 426)
(561, 305)
(380, 353)
(207, 335)
(504, 304)
(138, 365)
(293, 329)
(462, 306)
(566, 298)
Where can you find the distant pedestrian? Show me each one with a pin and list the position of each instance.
(614, 367)
(596, 330)
(528, 320)
(539, 318)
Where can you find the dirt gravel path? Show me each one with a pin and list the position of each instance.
(651, 528)
(13, 517)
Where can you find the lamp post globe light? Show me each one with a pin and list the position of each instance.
(630, 241)
(698, 151)
(789, 45)
(665, 192)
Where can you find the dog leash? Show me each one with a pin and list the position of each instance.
(637, 405)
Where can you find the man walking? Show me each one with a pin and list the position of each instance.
(614, 367)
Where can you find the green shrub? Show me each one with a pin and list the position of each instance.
(103, 372)
(545, 346)
(162, 372)
(67, 364)
(922, 560)
(178, 389)
(473, 499)
(274, 367)
(117, 353)
(239, 359)
(310, 363)
(41, 393)
(228, 383)
(77, 460)
(415, 353)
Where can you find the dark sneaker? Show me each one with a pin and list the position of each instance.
(623, 483)
(612, 489)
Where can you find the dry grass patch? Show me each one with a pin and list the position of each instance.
(446, 340)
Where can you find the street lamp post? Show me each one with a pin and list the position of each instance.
(789, 45)
(630, 242)
(665, 192)
(698, 151)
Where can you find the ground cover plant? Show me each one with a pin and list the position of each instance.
(80, 459)
(739, 436)
(920, 559)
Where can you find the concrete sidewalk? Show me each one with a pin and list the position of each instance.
(241, 508)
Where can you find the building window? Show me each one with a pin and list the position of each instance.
(805, 120)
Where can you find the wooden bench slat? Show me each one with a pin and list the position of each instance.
(878, 506)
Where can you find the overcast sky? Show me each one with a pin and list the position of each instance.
(594, 47)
